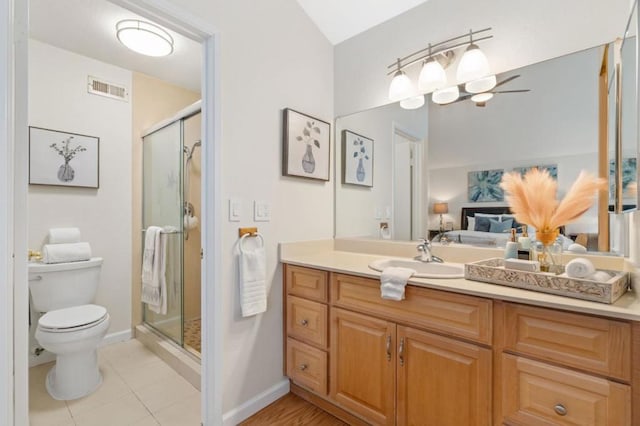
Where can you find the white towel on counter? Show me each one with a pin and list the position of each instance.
(580, 268)
(70, 252)
(253, 285)
(154, 284)
(602, 276)
(392, 282)
(64, 235)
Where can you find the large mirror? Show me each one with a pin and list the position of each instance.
(455, 154)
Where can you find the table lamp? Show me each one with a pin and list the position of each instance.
(441, 208)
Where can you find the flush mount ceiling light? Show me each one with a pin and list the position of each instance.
(473, 66)
(414, 102)
(144, 37)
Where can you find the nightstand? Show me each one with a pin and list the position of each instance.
(433, 233)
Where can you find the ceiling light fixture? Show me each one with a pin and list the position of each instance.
(473, 69)
(144, 37)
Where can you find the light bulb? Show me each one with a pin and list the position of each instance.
(432, 76)
(481, 97)
(446, 95)
(473, 65)
(414, 102)
(400, 87)
(481, 85)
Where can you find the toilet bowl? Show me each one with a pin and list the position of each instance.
(71, 327)
(73, 334)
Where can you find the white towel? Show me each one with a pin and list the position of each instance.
(253, 286)
(154, 284)
(70, 252)
(392, 282)
(64, 235)
(580, 268)
(602, 276)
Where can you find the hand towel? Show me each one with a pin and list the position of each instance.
(253, 286)
(580, 268)
(577, 248)
(392, 282)
(70, 252)
(64, 235)
(522, 265)
(601, 276)
(154, 284)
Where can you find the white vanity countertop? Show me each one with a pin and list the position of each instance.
(326, 257)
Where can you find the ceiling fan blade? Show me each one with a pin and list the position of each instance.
(512, 91)
(506, 80)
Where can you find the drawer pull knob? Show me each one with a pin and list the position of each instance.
(560, 410)
(388, 348)
(401, 352)
(303, 367)
(304, 323)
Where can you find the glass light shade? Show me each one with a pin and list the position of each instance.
(473, 65)
(414, 102)
(446, 95)
(482, 97)
(432, 76)
(440, 208)
(481, 85)
(144, 37)
(400, 87)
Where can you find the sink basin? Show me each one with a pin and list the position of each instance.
(423, 270)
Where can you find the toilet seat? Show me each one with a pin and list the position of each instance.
(72, 319)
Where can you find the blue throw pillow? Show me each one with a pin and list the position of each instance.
(500, 227)
(483, 223)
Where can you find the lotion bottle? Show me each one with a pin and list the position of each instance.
(511, 249)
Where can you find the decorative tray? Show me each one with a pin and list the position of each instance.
(493, 271)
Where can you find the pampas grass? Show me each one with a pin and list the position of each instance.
(532, 198)
(632, 189)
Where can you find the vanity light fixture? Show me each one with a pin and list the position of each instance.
(414, 102)
(481, 97)
(144, 37)
(473, 71)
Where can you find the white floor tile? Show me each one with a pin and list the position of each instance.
(185, 413)
(127, 355)
(147, 421)
(46, 411)
(112, 388)
(150, 374)
(165, 393)
(126, 410)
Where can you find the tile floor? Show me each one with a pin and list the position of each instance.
(138, 389)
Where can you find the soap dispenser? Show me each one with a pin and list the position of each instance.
(511, 249)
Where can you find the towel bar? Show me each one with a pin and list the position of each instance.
(166, 232)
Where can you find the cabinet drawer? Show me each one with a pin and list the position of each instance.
(595, 344)
(306, 282)
(454, 314)
(307, 321)
(541, 394)
(307, 366)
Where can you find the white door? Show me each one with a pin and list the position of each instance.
(406, 187)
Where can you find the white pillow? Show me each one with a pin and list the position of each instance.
(471, 223)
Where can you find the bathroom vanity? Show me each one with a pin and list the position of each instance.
(453, 352)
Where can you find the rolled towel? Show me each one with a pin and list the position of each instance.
(71, 252)
(392, 282)
(601, 276)
(580, 268)
(64, 235)
(577, 248)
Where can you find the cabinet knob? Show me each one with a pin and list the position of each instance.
(303, 367)
(304, 323)
(560, 410)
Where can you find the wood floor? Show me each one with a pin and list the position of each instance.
(292, 410)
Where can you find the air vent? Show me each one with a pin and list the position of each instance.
(109, 90)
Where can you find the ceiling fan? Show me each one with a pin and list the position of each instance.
(481, 99)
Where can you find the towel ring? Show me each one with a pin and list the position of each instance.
(258, 235)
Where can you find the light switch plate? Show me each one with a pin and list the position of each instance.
(377, 214)
(261, 211)
(235, 210)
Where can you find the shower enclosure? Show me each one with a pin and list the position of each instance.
(171, 200)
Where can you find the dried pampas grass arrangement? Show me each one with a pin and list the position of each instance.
(632, 189)
(532, 198)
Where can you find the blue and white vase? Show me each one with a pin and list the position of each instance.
(308, 162)
(360, 174)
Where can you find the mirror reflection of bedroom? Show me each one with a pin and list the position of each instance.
(543, 115)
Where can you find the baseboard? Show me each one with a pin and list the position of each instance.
(45, 356)
(255, 404)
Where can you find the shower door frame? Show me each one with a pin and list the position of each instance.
(13, 192)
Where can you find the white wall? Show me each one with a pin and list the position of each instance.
(58, 99)
(272, 57)
(356, 205)
(524, 33)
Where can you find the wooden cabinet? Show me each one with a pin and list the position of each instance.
(442, 381)
(363, 368)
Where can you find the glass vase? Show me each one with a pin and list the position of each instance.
(549, 251)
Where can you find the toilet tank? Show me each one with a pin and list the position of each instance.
(63, 285)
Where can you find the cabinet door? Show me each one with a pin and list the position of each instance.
(442, 381)
(363, 365)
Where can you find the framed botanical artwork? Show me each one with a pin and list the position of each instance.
(484, 186)
(629, 175)
(357, 159)
(551, 168)
(63, 158)
(306, 147)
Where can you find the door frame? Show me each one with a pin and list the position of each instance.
(13, 202)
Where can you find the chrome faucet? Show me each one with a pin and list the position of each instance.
(424, 248)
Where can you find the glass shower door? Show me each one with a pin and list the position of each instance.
(162, 206)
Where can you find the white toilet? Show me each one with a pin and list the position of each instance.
(72, 327)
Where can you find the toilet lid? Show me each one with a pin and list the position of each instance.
(73, 317)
